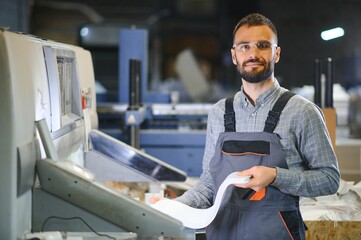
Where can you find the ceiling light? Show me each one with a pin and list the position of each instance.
(332, 33)
(84, 31)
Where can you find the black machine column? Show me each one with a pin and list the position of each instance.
(134, 100)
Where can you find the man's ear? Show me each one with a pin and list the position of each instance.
(233, 54)
(277, 54)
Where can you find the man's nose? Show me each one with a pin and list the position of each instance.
(253, 48)
(253, 52)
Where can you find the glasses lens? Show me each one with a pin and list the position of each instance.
(262, 46)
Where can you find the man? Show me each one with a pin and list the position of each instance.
(285, 149)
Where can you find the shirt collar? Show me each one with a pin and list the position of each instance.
(262, 99)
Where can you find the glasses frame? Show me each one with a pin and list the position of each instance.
(238, 47)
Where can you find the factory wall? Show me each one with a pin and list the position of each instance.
(15, 15)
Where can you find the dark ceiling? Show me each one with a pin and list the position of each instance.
(206, 25)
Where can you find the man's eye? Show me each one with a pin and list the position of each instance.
(245, 46)
(263, 45)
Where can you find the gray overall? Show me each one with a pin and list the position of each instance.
(245, 214)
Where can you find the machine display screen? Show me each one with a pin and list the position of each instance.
(134, 158)
(64, 87)
(65, 70)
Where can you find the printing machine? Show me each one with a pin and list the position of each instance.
(172, 131)
(49, 141)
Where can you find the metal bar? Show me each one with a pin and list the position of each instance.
(134, 84)
(317, 82)
(329, 83)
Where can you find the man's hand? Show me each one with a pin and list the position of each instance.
(153, 200)
(261, 177)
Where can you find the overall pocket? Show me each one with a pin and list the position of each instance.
(239, 148)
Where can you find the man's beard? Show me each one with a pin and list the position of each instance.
(254, 76)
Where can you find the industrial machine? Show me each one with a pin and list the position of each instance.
(49, 142)
(159, 124)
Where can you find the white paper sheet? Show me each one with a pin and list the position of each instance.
(345, 205)
(193, 217)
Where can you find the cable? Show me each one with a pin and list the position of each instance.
(76, 218)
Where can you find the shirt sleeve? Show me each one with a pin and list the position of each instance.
(202, 193)
(313, 168)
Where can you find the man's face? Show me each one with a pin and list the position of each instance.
(255, 53)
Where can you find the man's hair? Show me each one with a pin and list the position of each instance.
(255, 19)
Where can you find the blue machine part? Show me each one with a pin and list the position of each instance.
(183, 150)
(173, 134)
(133, 45)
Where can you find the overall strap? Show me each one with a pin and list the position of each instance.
(230, 126)
(229, 116)
(274, 114)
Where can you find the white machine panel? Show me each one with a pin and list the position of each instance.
(48, 108)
